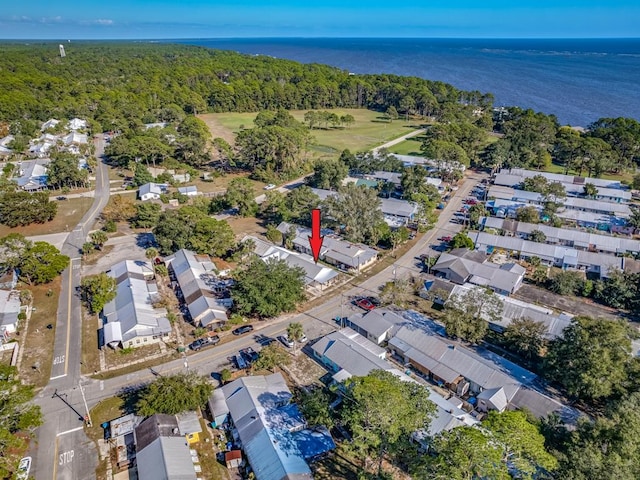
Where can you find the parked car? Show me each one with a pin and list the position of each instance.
(240, 361)
(285, 341)
(271, 186)
(365, 304)
(249, 354)
(204, 342)
(446, 239)
(23, 469)
(243, 329)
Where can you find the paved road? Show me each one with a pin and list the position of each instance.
(65, 371)
(398, 140)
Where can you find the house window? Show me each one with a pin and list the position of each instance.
(146, 339)
(137, 341)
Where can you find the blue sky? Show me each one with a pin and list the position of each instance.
(129, 19)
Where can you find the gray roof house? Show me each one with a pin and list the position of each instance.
(190, 191)
(151, 191)
(347, 353)
(376, 325)
(130, 319)
(202, 291)
(578, 239)
(316, 275)
(162, 450)
(9, 310)
(560, 256)
(466, 371)
(462, 265)
(272, 431)
(31, 175)
(335, 251)
(396, 212)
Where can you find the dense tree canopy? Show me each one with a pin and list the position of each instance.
(41, 262)
(23, 208)
(268, 288)
(97, 291)
(174, 394)
(466, 316)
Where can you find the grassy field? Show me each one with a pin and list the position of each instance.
(369, 130)
(69, 214)
(410, 146)
(37, 341)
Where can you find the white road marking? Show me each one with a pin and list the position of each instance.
(69, 431)
(65, 457)
(58, 376)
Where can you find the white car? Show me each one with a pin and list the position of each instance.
(271, 186)
(23, 469)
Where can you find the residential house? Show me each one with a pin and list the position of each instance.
(77, 124)
(498, 383)
(190, 191)
(41, 149)
(578, 239)
(51, 123)
(31, 175)
(271, 430)
(608, 190)
(148, 126)
(151, 191)
(376, 325)
(462, 265)
(396, 212)
(75, 138)
(4, 145)
(205, 295)
(346, 256)
(8, 278)
(345, 353)
(560, 256)
(130, 320)
(162, 450)
(181, 177)
(10, 308)
(316, 275)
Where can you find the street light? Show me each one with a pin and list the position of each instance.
(87, 417)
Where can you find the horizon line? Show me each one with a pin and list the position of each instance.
(157, 39)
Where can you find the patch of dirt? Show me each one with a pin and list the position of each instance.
(118, 357)
(217, 129)
(304, 371)
(246, 226)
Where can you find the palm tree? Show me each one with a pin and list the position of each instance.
(151, 253)
(295, 332)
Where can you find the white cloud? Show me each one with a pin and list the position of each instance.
(104, 21)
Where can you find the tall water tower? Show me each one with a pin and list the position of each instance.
(62, 54)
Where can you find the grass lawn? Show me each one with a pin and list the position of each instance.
(90, 354)
(69, 214)
(37, 341)
(624, 176)
(211, 468)
(368, 131)
(410, 146)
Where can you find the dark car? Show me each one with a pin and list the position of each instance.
(243, 329)
(365, 304)
(374, 300)
(249, 354)
(204, 342)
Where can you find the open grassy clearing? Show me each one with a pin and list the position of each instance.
(90, 353)
(410, 146)
(370, 129)
(37, 340)
(69, 214)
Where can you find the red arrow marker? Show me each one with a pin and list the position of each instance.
(315, 240)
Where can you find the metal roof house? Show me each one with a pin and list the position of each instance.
(376, 325)
(31, 175)
(462, 265)
(130, 319)
(477, 371)
(560, 256)
(271, 430)
(10, 306)
(316, 275)
(151, 191)
(335, 251)
(190, 191)
(608, 190)
(202, 291)
(162, 450)
(578, 239)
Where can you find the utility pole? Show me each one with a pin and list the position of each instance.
(87, 417)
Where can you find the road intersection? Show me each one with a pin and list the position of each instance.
(63, 451)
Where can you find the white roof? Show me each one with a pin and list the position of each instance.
(77, 124)
(50, 123)
(152, 188)
(507, 177)
(75, 137)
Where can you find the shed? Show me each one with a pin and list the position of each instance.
(233, 459)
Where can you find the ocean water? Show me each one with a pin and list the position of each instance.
(577, 80)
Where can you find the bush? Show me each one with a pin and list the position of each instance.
(110, 226)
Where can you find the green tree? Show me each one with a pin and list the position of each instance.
(151, 253)
(461, 240)
(18, 419)
(391, 113)
(619, 290)
(24, 208)
(174, 394)
(382, 411)
(357, 210)
(466, 316)
(634, 219)
(590, 190)
(566, 283)
(476, 212)
(97, 291)
(274, 235)
(315, 407)
(225, 375)
(539, 275)
(268, 288)
(240, 195)
(42, 263)
(398, 292)
(295, 332)
(63, 171)
(87, 248)
(328, 174)
(537, 236)
(526, 337)
(13, 248)
(141, 175)
(528, 214)
(98, 238)
(147, 215)
(271, 357)
(591, 358)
